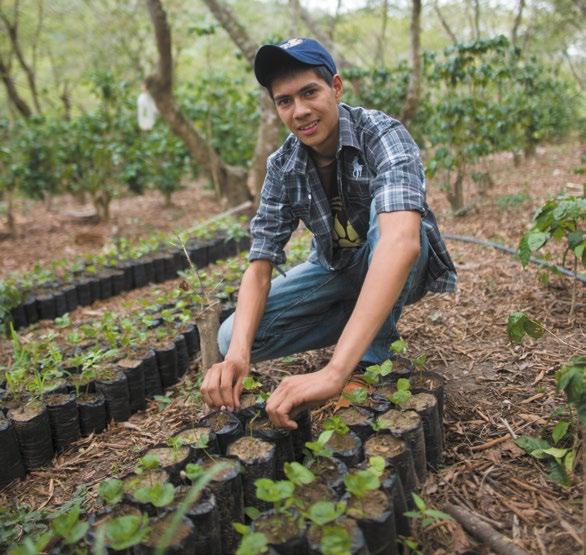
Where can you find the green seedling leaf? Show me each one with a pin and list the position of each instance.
(159, 495)
(111, 491)
(202, 442)
(318, 448)
(337, 425)
(273, 492)
(361, 482)
(399, 346)
(298, 474)
(194, 471)
(519, 325)
(148, 462)
(377, 465)
(559, 431)
(557, 453)
(419, 361)
(242, 529)
(336, 540)
(357, 396)
(32, 546)
(419, 502)
(438, 515)
(386, 367)
(400, 397)
(323, 512)
(403, 384)
(569, 461)
(250, 384)
(533, 446)
(253, 544)
(68, 526)
(252, 512)
(126, 531)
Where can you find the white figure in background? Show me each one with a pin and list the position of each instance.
(146, 109)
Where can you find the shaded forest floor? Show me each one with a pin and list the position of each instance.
(494, 390)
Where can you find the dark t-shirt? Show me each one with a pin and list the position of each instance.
(343, 233)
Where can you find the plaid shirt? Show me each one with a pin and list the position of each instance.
(376, 160)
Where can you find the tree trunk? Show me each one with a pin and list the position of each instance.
(208, 324)
(12, 31)
(268, 130)
(101, 200)
(231, 180)
(414, 89)
(10, 221)
(380, 51)
(517, 23)
(456, 192)
(444, 23)
(295, 18)
(18, 102)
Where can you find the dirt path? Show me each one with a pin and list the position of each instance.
(494, 390)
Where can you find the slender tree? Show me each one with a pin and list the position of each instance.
(517, 22)
(268, 130)
(229, 181)
(444, 23)
(382, 39)
(414, 89)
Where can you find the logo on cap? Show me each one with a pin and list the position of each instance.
(291, 43)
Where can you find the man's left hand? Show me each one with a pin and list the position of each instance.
(305, 391)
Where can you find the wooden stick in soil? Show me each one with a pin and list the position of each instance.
(208, 323)
(498, 543)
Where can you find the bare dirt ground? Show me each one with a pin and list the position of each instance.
(66, 228)
(495, 391)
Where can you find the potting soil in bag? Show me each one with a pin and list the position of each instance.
(114, 386)
(346, 447)
(258, 461)
(375, 516)
(171, 459)
(282, 532)
(92, 413)
(134, 371)
(425, 405)
(167, 363)
(330, 471)
(226, 427)
(152, 379)
(201, 440)
(135, 482)
(182, 542)
(64, 418)
(182, 356)
(11, 465)
(358, 546)
(263, 428)
(359, 420)
(33, 431)
(408, 426)
(397, 453)
(429, 382)
(227, 487)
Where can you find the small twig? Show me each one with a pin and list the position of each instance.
(490, 443)
(480, 529)
(508, 427)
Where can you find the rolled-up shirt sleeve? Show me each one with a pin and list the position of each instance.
(274, 221)
(399, 180)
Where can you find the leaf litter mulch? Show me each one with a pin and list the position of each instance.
(495, 391)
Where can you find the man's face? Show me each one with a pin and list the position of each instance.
(308, 106)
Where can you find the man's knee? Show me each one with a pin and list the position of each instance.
(225, 335)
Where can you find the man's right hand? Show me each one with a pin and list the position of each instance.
(222, 384)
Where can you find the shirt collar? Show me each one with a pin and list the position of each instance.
(297, 162)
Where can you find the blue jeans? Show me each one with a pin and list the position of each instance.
(309, 307)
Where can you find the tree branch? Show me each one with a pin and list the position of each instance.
(444, 23)
(414, 89)
(18, 102)
(517, 23)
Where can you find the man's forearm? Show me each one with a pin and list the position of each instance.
(381, 289)
(252, 297)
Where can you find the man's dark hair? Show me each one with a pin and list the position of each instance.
(293, 68)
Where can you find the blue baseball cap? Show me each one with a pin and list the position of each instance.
(307, 51)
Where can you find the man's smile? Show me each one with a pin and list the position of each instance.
(309, 128)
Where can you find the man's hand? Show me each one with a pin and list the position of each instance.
(222, 384)
(305, 391)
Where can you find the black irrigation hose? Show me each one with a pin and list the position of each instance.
(538, 261)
